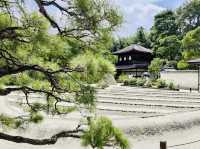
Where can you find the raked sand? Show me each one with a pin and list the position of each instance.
(137, 142)
(143, 133)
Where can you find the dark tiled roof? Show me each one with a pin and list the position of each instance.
(194, 61)
(133, 47)
(133, 66)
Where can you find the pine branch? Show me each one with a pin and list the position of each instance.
(52, 140)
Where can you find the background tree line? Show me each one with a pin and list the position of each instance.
(174, 36)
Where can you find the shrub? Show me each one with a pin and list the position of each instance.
(103, 85)
(123, 78)
(156, 66)
(171, 86)
(148, 84)
(172, 64)
(100, 131)
(126, 83)
(140, 82)
(182, 65)
(133, 81)
(161, 83)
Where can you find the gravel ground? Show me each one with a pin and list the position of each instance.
(143, 133)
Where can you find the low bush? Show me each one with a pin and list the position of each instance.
(126, 83)
(148, 84)
(133, 81)
(123, 78)
(171, 86)
(182, 65)
(160, 83)
(140, 82)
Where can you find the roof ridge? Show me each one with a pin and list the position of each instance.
(135, 47)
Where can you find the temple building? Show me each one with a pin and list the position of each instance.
(133, 60)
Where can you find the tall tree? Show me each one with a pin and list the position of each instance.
(141, 38)
(37, 62)
(191, 44)
(188, 16)
(164, 25)
(170, 48)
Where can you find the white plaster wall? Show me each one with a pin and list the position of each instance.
(183, 79)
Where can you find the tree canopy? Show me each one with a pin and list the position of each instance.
(188, 16)
(174, 35)
(36, 60)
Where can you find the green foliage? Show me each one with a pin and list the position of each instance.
(164, 26)
(66, 110)
(101, 132)
(5, 21)
(148, 83)
(10, 122)
(133, 81)
(87, 97)
(169, 48)
(171, 86)
(188, 16)
(182, 64)
(92, 13)
(7, 80)
(122, 78)
(7, 121)
(189, 54)
(108, 79)
(171, 64)
(121, 43)
(41, 61)
(140, 81)
(38, 107)
(95, 67)
(191, 40)
(160, 83)
(155, 67)
(141, 38)
(35, 117)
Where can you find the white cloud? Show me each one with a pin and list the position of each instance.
(136, 13)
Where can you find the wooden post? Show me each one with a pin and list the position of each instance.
(198, 77)
(163, 145)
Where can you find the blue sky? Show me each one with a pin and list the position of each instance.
(141, 13)
(136, 13)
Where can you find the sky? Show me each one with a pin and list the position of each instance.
(136, 13)
(141, 13)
